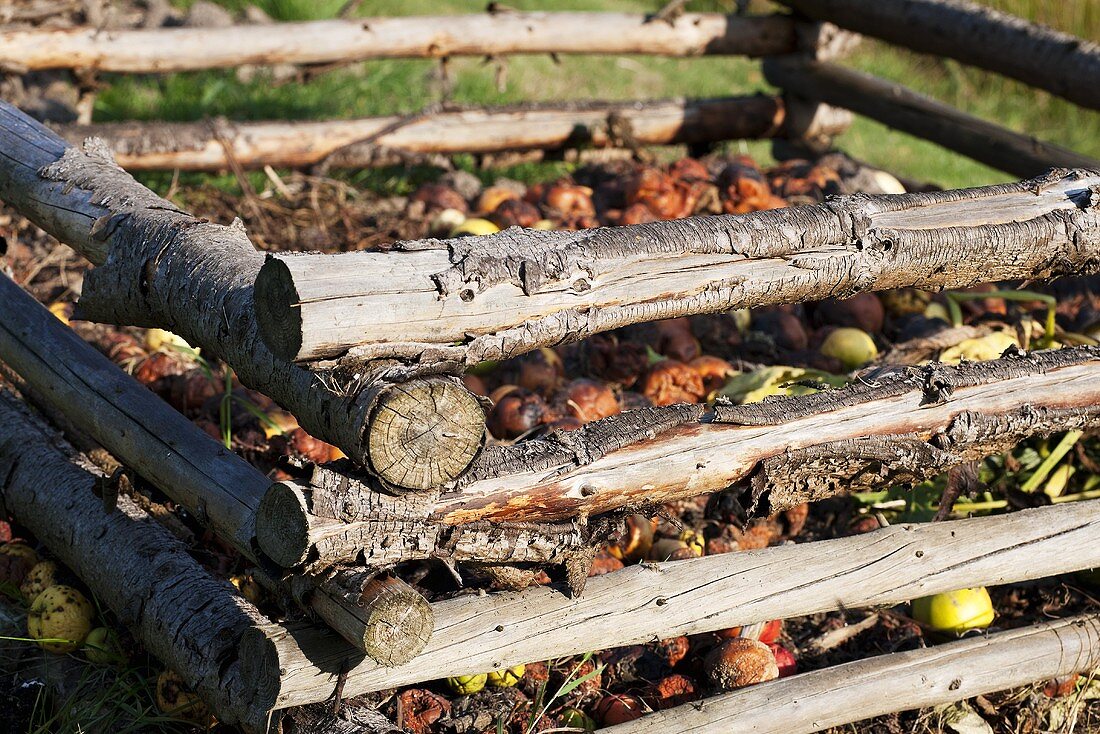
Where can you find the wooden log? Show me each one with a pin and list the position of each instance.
(159, 266)
(296, 525)
(810, 126)
(886, 683)
(903, 109)
(504, 294)
(973, 34)
(912, 426)
(888, 566)
(385, 617)
(320, 718)
(906, 427)
(132, 423)
(186, 618)
(344, 41)
(220, 489)
(201, 146)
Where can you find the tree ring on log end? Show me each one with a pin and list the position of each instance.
(278, 312)
(424, 433)
(399, 622)
(260, 666)
(282, 526)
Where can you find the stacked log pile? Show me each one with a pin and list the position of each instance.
(538, 504)
(431, 373)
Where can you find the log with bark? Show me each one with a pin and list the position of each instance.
(901, 108)
(905, 426)
(809, 125)
(493, 297)
(659, 600)
(160, 266)
(390, 621)
(974, 34)
(186, 618)
(886, 683)
(206, 146)
(345, 41)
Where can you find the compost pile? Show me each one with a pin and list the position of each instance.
(743, 356)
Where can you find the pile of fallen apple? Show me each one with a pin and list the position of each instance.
(743, 356)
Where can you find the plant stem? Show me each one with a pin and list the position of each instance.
(1051, 461)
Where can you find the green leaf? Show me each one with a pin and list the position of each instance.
(569, 686)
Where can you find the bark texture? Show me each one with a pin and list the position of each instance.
(373, 141)
(697, 457)
(221, 490)
(159, 266)
(974, 34)
(332, 41)
(531, 502)
(883, 684)
(660, 600)
(813, 473)
(189, 620)
(320, 718)
(458, 302)
(903, 109)
(343, 517)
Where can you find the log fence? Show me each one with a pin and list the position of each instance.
(366, 348)
(1053, 61)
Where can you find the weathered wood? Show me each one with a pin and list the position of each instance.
(389, 620)
(299, 525)
(886, 683)
(186, 618)
(201, 146)
(481, 633)
(159, 266)
(903, 109)
(951, 413)
(905, 427)
(424, 433)
(475, 298)
(974, 34)
(333, 41)
(319, 718)
(810, 126)
(221, 490)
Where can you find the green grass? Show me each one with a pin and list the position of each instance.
(405, 86)
(117, 700)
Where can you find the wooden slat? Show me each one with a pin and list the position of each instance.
(886, 683)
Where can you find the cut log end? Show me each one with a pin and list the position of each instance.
(399, 621)
(278, 313)
(425, 433)
(282, 526)
(382, 615)
(260, 666)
